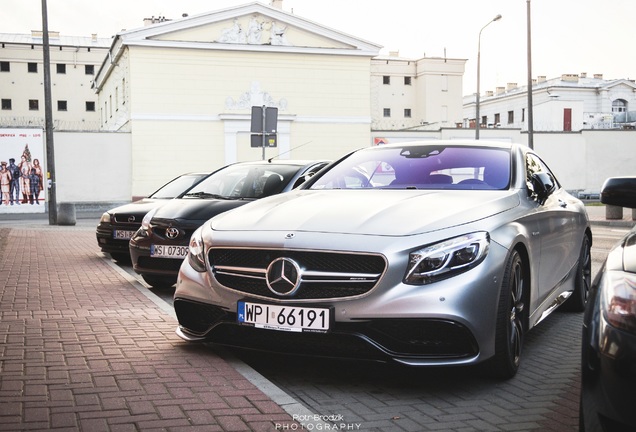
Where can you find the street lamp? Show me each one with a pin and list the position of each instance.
(477, 119)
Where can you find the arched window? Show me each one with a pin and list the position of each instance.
(619, 106)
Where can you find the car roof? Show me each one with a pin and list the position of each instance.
(458, 143)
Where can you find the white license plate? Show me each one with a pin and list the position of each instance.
(284, 318)
(166, 251)
(123, 234)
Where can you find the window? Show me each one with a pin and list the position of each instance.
(497, 120)
(89, 69)
(61, 105)
(5, 66)
(407, 112)
(386, 79)
(34, 105)
(387, 112)
(61, 68)
(6, 104)
(32, 67)
(90, 106)
(619, 106)
(484, 120)
(523, 114)
(511, 117)
(535, 165)
(407, 80)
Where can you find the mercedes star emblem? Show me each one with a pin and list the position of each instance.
(283, 276)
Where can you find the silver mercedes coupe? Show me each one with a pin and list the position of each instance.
(432, 253)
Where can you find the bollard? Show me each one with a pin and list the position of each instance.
(613, 212)
(66, 214)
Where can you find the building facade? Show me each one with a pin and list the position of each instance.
(570, 103)
(74, 62)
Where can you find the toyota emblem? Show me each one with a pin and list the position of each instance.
(283, 277)
(172, 233)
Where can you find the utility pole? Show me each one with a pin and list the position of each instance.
(530, 119)
(48, 119)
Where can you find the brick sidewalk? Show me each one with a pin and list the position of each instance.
(83, 349)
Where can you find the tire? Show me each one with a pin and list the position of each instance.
(159, 281)
(511, 319)
(583, 281)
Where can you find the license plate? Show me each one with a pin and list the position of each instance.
(123, 234)
(284, 318)
(166, 251)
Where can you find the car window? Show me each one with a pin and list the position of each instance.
(535, 165)
(421, 167)
(245, 181)
(177, 186)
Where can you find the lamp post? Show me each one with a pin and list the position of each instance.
(477, 119)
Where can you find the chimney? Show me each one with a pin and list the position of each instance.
(541, 78)
(94, 37)
(570, 77)
(278, 4)
(511, 86)
(583, 75)
(500, 90)
(490, 93)
(598, 76)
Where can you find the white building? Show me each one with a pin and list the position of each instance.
(568, 103)
(421, 94)
(74, 62)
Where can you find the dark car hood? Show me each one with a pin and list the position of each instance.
(140, 207)
(195, 210)
(367, 212)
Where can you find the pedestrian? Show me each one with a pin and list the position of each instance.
(5, 181)
(14, 190)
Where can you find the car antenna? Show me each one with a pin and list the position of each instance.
(279, 155)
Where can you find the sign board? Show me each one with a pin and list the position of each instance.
(263, 124)
(23, 179)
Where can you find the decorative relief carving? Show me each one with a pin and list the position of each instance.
(259, 32)
(254, 97)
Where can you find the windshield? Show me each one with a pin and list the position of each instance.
(421, 167)
(245, 181)
(177, 186)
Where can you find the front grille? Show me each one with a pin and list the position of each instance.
(323, 274)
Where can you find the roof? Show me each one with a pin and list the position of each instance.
(55, 39)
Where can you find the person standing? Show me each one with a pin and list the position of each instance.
(25, 172)
(34, 182)
(14, 187)
(5, 181)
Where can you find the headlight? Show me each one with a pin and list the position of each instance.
(105, 218)
(145, 222)
(447, 258)
(618, 301)
(196, 251)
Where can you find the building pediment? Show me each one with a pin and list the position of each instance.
(253, 26)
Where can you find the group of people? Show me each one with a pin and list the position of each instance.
(25, 178)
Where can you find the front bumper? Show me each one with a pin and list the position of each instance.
(449, 322)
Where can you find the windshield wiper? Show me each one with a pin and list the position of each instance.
(204, 195)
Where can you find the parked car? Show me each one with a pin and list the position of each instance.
(161, 243)
(428, 254)
(608, 360)
(117, 225)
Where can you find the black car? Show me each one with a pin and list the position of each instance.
(117, 225)
(158, 248)
(608, 361)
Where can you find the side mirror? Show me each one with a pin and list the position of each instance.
(619, 191)
(543, 185)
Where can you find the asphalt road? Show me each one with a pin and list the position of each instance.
(376, 397)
